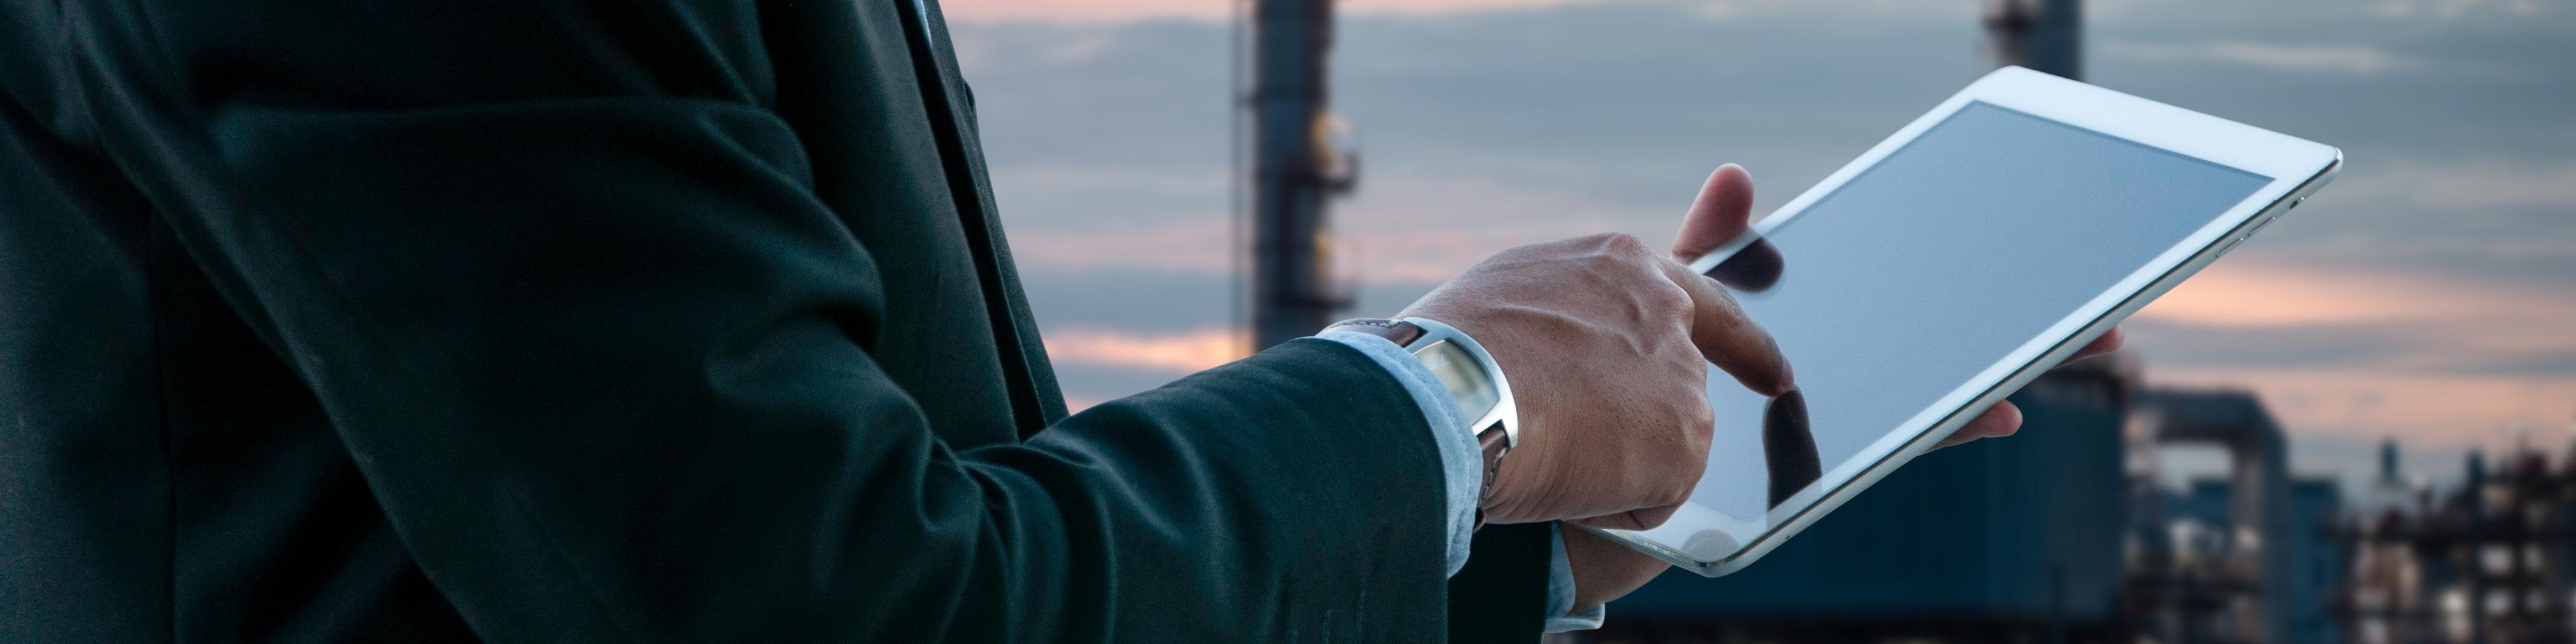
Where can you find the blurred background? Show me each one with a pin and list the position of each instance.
(2357, 428)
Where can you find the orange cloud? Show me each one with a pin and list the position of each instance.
(1083, 10)
(1127, 10)
(1181, 353)
(2250, 294)
(2239, 294)
(2415, 408)
(1437, 226)
(1075, 404)
(2420, 396)
(1201, 246)
(1425, 233)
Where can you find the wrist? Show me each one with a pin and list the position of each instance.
(1474, 382)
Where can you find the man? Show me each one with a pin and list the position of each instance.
(691, 321)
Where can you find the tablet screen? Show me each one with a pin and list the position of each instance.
(1926, 269)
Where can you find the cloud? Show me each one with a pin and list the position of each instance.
(2360, 60)
(1180, 353)
(2419, 409)
(2322, 345)
(2366, 353)
(1416, 229)
(2473, 184)
(1428, 7)
(1114, 179)
(2256, 313)
(2423, 296)
(1080, 47)
(1075, 404)
(1733, 9)
(1100, 11)
(2447, 9)
(1083, 11)
(2540, 362)
(1427, 228)
(1190, 246)
(2246, 294)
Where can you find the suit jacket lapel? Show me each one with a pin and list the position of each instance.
(1036, 401)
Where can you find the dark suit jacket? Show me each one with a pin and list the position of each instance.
(626, 320)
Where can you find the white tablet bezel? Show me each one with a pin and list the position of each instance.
(1693, 538)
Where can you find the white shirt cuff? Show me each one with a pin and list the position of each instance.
(1560, 590)
(1462, 463)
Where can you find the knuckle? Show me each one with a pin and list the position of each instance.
(1664, 296)
(1702, 419)
(1503, 260)
(1605, 263)
(1685, 480)
(1527, 248)
(1672, 495)
(1623, 243)
(1670, 294)
(1612, 248)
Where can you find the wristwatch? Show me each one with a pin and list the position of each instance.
(1471, 376)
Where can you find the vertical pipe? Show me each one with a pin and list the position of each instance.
(2045, 35)
(1290, 41)
(2476, 537)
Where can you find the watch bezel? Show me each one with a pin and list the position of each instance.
(1505, 411)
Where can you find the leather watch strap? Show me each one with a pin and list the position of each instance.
(1493, 441)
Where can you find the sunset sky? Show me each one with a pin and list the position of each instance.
(2428, 295)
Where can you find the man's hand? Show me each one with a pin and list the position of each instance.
(1606, 344)
(1605, 570)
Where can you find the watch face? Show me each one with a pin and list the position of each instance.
(1466, 379)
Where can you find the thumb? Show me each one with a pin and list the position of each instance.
(1723, 211)
(1638, 519)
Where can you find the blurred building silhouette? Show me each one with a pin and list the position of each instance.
(2201, 533)
(2487, 562)
(1995, 541)
(2054, 535)
(2234, 559)
(2063, 533)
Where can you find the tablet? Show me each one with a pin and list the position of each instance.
(1950, 265)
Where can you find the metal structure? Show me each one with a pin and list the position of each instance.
(2043, 538)
(1294, 171)
(2491, 562)
(2045, 35)
(2013, 540)
(2243, 591)
(1295, 168)
(2187, 597)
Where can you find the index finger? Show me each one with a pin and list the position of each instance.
(1729, 339)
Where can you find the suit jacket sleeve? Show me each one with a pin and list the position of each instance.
(560, 280)
(1501, 596)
